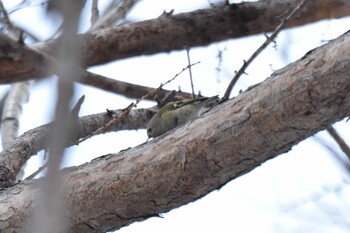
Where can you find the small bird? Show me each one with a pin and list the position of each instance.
(177, 113)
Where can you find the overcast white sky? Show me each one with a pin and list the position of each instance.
(304, 190)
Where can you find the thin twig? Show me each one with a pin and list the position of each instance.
(114, 16)
(132, 105)
(126, 89)
(34, 174)
(190, 71)
(15, 31)
(5, 16)
(94, 12)
(337, 155)
(268, 40)
(75, 110)
(26, 4)
(342, 144)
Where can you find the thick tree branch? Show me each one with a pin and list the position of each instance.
(17, 96)
(15, 56)
(197, 28)
(35, 140)
(188, 162)
(14, 50)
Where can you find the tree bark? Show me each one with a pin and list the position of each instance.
(188, 162)
(197, 28)
(30, 143)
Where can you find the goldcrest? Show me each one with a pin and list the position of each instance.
(177, 113)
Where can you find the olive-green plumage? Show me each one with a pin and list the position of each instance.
(174, 114)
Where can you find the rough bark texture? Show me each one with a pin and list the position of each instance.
(187, 163)
(35, 140)
(18, 63)
(197, 28)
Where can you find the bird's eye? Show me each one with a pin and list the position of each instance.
(149, 132)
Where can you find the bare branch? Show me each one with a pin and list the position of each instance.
(268, 40)
(95, 80)
(127, 110)
(190, 71)
(114, 16)
(50, 209)
(197, 28)
(12, 110)
(35, 140)
(18, 94)
(40, 169)
(124, 88)
(342, 144)
(13, 31)
(338, 157)
(215, 24)
(24, 4)
(230, 140)
(94, 12)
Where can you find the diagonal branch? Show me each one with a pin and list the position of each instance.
(126, 89)
(114, 16)
(340, 141)
(17, 96)
(15, 50)
(230, 140)
(268, 40)
(35, 140)
(197, 28)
